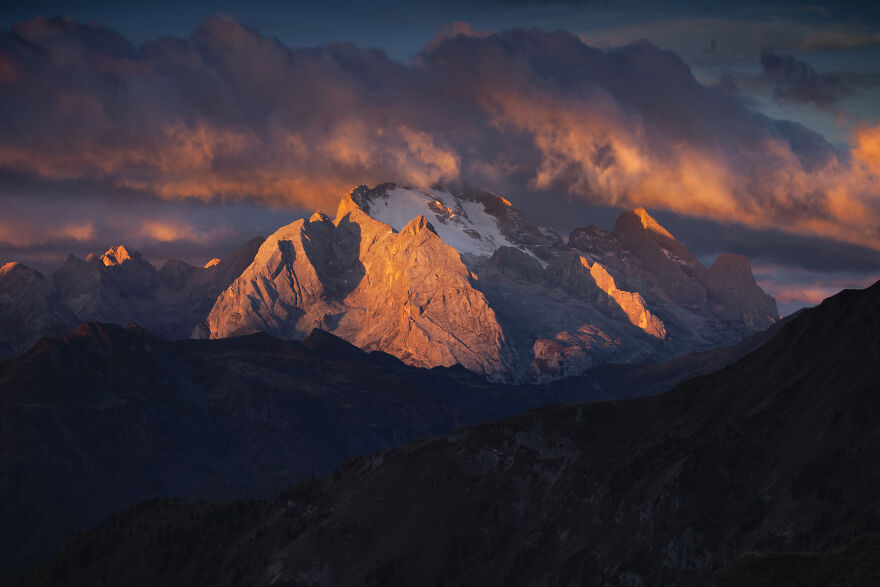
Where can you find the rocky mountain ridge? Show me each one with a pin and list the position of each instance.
(459, 275)
(118, 286)
(437, 277)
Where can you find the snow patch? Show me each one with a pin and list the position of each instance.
(463, 225)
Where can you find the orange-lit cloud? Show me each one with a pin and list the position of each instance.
(168, 231)
(812, 293)
(23, 234)
(602, 154)
(229, 115)
(867, 149)
(795, 288)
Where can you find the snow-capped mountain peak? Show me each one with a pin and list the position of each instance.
(116, 256)
(470, 221)
(453, 274)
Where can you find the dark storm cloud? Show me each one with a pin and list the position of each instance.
(722, 41)
(771, 247)
(795, 80)
(229, 115)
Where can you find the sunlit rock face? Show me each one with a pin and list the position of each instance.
(407, 293)
(709, 306)
(115, 256)
(632, 303)
(459, 275)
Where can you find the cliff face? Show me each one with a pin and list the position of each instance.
(710, 306)
(632, 303)
(459, 275)
(406, 293)
(735, 295)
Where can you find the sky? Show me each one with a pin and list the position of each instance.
(184, 129)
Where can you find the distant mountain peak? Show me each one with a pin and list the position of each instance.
(212, 263)
(649, 223)
(733, 265)
(319, 217)
(417, 224)
(115, 287)
(116, 256)
(470, 220)
(346, 205)
(13, 266)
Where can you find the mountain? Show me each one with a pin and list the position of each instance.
(406, 293)
(777, 452)
(855, 564)
(119, 286)
(107, 416)
(459, 275)
(437, 277)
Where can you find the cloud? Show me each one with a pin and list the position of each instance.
(43, 231)
(796, 288)
(169, 231)
(737, 40)
(867, 148)
(25, 234)
(454, 30)
(229, 115)
(795, 80)
(838, 39)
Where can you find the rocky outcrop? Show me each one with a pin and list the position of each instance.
(736, 296)
(632, 304)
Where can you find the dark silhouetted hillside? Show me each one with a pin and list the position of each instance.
(776, 452)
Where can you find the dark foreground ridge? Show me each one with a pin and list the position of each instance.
(776, 452)
(858, 563)
(109, 416)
